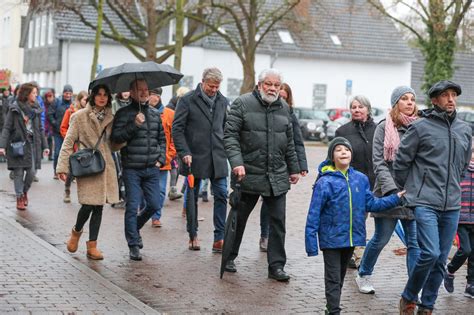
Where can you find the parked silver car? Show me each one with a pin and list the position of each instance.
(312, 123)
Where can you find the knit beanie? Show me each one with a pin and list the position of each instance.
(399, 92)
(337, 141)
(67, 88)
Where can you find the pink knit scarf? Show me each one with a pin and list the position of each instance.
(391, 140)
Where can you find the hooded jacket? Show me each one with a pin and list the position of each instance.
(336, 214)
(431, 159)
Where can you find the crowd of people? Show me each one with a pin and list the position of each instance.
(413, 171)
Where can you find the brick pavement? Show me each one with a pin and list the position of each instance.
(173, 279)
(37, 277)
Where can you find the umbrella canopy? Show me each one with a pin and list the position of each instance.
(191, 213)
(118, 78)
(230, 226)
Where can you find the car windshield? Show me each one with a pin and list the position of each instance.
(313, 114)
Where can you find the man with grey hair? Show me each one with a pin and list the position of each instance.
(198, 132)
(258, 140)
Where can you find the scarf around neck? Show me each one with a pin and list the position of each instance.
(391, 140)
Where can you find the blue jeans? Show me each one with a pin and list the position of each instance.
(162, 195)
(436, 231)
(58, 142)
(219, 188)
(384, 228)
(140, 184)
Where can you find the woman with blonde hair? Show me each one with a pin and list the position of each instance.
(90, 126)
(385, 146)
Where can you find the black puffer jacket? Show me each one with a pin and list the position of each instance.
(146, 144)
(56, 113)
(260, 137)
(361, 136)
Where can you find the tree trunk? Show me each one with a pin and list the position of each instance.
(95, 58)
(152, 32)
(178, 48)
(248, 83)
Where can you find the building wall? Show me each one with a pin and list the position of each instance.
(376, 80)
(11, 55)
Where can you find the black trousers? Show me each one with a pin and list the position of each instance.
(335, 266)
(276, 254)
(465, 251)
(94, 224)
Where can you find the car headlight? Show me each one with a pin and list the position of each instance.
(311, 126)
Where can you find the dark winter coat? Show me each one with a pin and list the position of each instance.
(56, 113)
(360, 135)
(14, 130)
(338, 206)
(145, 145)
(431, 159)
(259, 137)
(467, 197)
(299, 142)
(384, 182)
(199, 132)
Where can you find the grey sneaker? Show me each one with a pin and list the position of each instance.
(174, 194)
(364, 284)
(449, 282)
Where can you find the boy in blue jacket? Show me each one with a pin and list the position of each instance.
(336, 216)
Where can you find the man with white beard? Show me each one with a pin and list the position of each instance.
(258, 139)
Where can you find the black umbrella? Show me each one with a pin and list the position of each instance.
(231, 226)
(191, 215)
(118, 78)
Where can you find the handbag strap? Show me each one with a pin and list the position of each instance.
(98, 141)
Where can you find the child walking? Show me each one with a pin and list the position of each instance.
(466, 235)
(336, 216)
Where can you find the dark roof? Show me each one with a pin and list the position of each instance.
(463, 75)
(69, 25)
(364, 33)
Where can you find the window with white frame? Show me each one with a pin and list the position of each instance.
(37, 31)
(172, 30)
(31, 34)
(285, 37)
(43, 30)
(50, 29)
(233, 88)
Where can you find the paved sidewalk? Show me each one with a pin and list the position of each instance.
(37, 277)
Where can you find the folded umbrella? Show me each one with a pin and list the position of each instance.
(231, 226)
(191, 215)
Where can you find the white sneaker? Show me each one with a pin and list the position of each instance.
(364, 284)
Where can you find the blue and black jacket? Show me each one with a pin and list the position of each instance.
(336, 214)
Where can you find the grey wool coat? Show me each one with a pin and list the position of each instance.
(14, 130)
(86, 129)
(384, 182)
(199, 132)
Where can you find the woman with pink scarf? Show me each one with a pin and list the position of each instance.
(385, 145)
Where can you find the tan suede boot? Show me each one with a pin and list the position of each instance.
(93, 252)
(73, 240)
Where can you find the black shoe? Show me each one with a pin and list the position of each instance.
(230, 266)
(204, 197)
(135, 253)
(278, 274)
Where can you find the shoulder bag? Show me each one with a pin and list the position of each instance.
(88, 161)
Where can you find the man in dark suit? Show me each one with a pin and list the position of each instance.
(198, 133)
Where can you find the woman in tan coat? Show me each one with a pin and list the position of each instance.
(94, 191)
